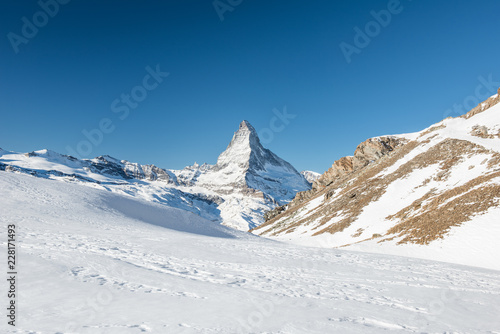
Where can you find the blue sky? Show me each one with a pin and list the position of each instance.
(263, 56)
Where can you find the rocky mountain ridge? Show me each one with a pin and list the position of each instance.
(400, 193)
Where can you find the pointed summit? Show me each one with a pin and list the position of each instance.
(246, 151)
(245, 125)
(247, 130)
(239, 151)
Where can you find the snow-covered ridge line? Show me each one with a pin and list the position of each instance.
(247, 180)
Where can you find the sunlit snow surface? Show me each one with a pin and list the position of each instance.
(92, 261)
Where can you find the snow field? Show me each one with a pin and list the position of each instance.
(96, 262)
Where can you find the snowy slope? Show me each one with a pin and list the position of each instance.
(92, 261)
(435, 196)
(143, 181)
(247, 180)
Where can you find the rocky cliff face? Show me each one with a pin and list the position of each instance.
(366, 153)
(492, 101)
(107, 165)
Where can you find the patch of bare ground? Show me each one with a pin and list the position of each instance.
(436, 219)
(483, 132)
(374, 236)
(358, 233)
(431, 217)
(432, 129)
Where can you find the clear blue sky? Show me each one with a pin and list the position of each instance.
(263, 55)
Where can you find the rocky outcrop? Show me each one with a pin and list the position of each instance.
(483, 132)
(274, 212)
(127, 170)
(366, 152)
(495, 99)
(341, 167)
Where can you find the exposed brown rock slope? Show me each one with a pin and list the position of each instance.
(420, 186)
(494, 100)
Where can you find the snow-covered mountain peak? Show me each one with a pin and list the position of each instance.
(45, 153)
(246, 126)
(246, 174)
(196, 166)
(239, 151)
(246, 152)
(310, 176)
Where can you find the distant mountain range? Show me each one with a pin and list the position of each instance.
(310, 176)
(246, 181)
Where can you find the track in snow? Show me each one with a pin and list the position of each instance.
(92, 262)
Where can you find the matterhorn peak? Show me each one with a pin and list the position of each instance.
(239, 150)
(245, 151)
(245, 125)
(247, 133)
